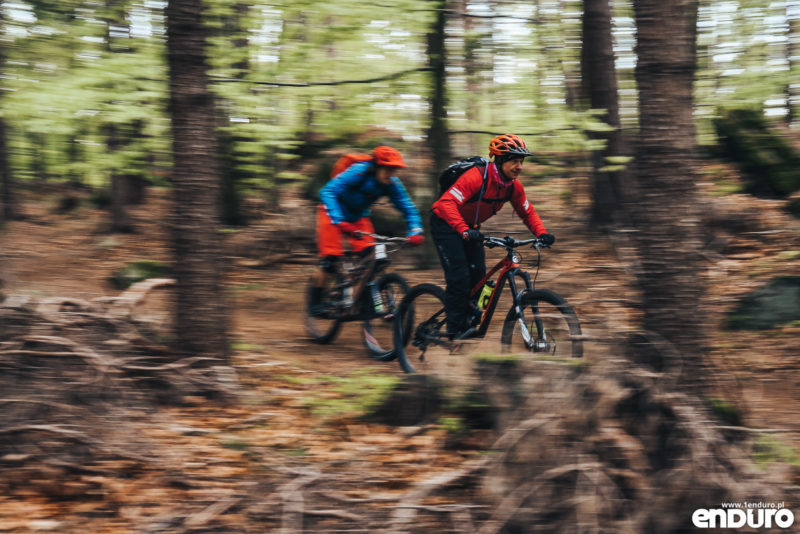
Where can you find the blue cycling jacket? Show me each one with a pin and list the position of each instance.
(350, 194)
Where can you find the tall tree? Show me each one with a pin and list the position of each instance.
(115, 28)
(6, 188)
(438, 135)
(667, 208)
(233, 32)
(201, 322)
(9, 209)
(472, 72)
(599, 88)
(792, 53)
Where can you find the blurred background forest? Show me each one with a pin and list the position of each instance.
(184, 141)
(85, 86)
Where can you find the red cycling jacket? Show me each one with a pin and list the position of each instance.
(459, 204)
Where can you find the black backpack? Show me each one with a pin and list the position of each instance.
(454, 172)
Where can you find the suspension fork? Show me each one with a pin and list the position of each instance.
(516, 309)
(515, 313)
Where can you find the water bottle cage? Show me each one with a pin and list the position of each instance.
(485, 295)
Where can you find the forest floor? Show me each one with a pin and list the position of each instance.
(294, 435)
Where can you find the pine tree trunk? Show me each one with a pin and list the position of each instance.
(201, 321)
(120, 220)
(666, 206)
(599, 79)
(9, 210)
(472, 72)
(438, 135)
(792, 51)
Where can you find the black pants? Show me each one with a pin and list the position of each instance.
(464, 265)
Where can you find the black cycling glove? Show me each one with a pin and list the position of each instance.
(547, 239)
(472, 235)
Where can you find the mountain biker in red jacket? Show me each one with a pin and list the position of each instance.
(344, 212)
(456, 220)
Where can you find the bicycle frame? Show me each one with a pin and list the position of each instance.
(371, 268)
(509, 268)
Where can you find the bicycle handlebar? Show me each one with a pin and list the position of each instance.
(509, 242)
(382, 238)
(506, 242)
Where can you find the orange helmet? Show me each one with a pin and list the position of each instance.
(508, 145)
(388, 157)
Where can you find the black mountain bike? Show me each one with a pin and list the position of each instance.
(359, 292)
(539, 321)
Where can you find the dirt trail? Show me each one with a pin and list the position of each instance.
(70, 255)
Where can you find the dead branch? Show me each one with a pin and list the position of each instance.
(759, 430)
(336, 496)
(406, 509)
(387, 77)
(53, 429)
(124, 304)
(49, 404)
(462, 521)
(53, 308)
(341, 514)
(211, 512)
(292, 516)
(293, 503)
(515, 499)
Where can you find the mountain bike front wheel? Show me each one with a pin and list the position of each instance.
(545, 324)
(377, 329)
(420, 332)
(323, 324)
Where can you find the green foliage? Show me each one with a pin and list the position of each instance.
(769, 450)
(793, 207)
(236, 445)
(615, 163)
(511, 359)
(776, 303)
(78, 71)
(138, 270)
(726, 411)
(355, 394)
(494, 357)
(771, 164)
(60, 108)
(454, 426)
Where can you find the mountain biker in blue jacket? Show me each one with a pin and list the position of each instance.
(345, 209)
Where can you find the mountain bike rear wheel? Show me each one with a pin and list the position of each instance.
(378, 328)
(547, 324)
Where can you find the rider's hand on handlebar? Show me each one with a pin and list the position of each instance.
(472, 235)
(348, 228)
(415, 240)
(547, 239)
